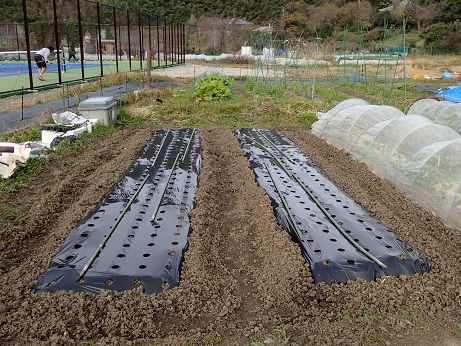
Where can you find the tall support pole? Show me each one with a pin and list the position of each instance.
(129, 36)
(178, 60)
(17, 40)
(80, 34)
(98, 12)
(173, 52)
(56, 38)
(114, 17)
(183, 44)
(168, 42)
(385, 61)
(141, 43)
(165, 48)
(120, 39)
(178, 44)
(26, 31)
(404, 58)
(150, 41)
(158, 45)
(171, 41)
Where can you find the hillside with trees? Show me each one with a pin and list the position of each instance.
(436, 23)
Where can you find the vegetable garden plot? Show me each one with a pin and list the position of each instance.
(138, 234)
(340, 240)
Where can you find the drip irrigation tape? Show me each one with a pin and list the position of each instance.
(112, 229)
(318, 203)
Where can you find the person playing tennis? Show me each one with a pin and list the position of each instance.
(41, 58)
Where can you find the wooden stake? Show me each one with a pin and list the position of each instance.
(149, 70)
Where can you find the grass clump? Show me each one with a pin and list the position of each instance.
(264, 87)
(22, 176)
(212, 86)
(33, 133)
(276, 338)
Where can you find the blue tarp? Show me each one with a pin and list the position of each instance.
(448, 75)
(452, 94)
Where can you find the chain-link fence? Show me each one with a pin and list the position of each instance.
(90, 39)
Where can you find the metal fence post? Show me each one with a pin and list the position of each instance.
(165, 55)
(184, 42)
(56, 37)
(17, 40)
(173, 43)
(178, 45)
(80, 33)
(150, 39)
(26, 32)
(129, 36)
(170, 26)
(99, 39)
(158, 45)
(170, 53)
(173, 36)
(116, 37)
(141, 43)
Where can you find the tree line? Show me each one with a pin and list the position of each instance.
(437, 22)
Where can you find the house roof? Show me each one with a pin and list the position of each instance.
(239, 21)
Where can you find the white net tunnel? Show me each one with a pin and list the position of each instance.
(420, 105)
(441, 112)
(435, 180)
(419, 156)
(344, 128)
(346, 104)
(324, 118)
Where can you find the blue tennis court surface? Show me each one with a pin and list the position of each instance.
(8, 69)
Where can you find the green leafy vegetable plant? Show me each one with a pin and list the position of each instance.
(212, 86)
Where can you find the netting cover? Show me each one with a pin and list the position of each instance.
(420, 156)
(441, 112)
(318, 126)
(433, 178)
(450, 115)
(420, 105)
(421, 137)
(348, 124)
(398, 140)
(346, 104)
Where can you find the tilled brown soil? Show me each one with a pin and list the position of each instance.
(239, 278)
(242, 276)
(416, 310)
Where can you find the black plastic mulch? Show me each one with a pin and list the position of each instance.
(137, 236)
(332, 257)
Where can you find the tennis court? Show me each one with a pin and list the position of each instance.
(14, 75)
(89, 30)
